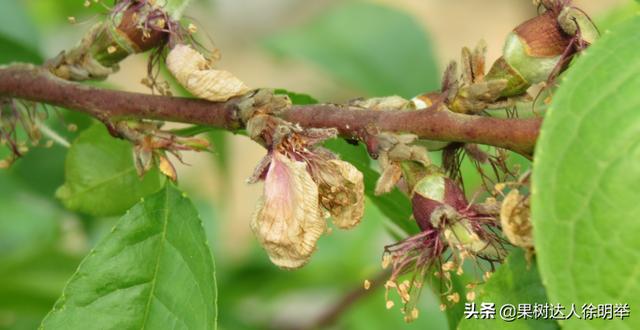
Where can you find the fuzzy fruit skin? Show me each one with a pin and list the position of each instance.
(127, 38)
(432, 192)
(531, 53)
(573, 21)
(543, 36)
(516, 83)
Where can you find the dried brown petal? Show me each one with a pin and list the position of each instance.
(260, 171)
(399, 147)
(287, 220)
(341, 192)
(394, 102)
(390, 176)
(143, 159)
(395, 149)
(515, 218)
(167, 168)
(195, 74)
(574, 21)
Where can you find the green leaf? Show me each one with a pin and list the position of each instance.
(27, 223)
(33, 269)
(617, 15)
(375, 48)
(101, 178)
(11, 51)
(30, 285)
(42, 169)
(453, 313)
(585, 198)
(371, 313)
(18, 36)
(515, 282)
(176, 8)
(296, 98)
(220, 141)
(153, 271)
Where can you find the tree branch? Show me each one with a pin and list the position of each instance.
(33, 83)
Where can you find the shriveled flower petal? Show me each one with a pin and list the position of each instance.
(515, 218)
(260, 171)
(342, 192)
(165, 166)
(288, 221)
(394, 102)
(396, 149)
(195, 74)
(390, 176)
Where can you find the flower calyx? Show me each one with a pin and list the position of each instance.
(151, 145)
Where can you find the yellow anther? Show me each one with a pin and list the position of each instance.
(448, 266)
(454, 297)
(414, 313)
(471, 295)
(487, 276)
(386, 261)
(192, 28)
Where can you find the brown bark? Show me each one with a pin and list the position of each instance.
(32, 83)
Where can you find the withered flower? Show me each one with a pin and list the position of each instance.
(342, 191)
(287, 220)
(303, 180)
(197, 75)
(515, 217)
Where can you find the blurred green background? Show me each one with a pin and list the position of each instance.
(333, 50)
